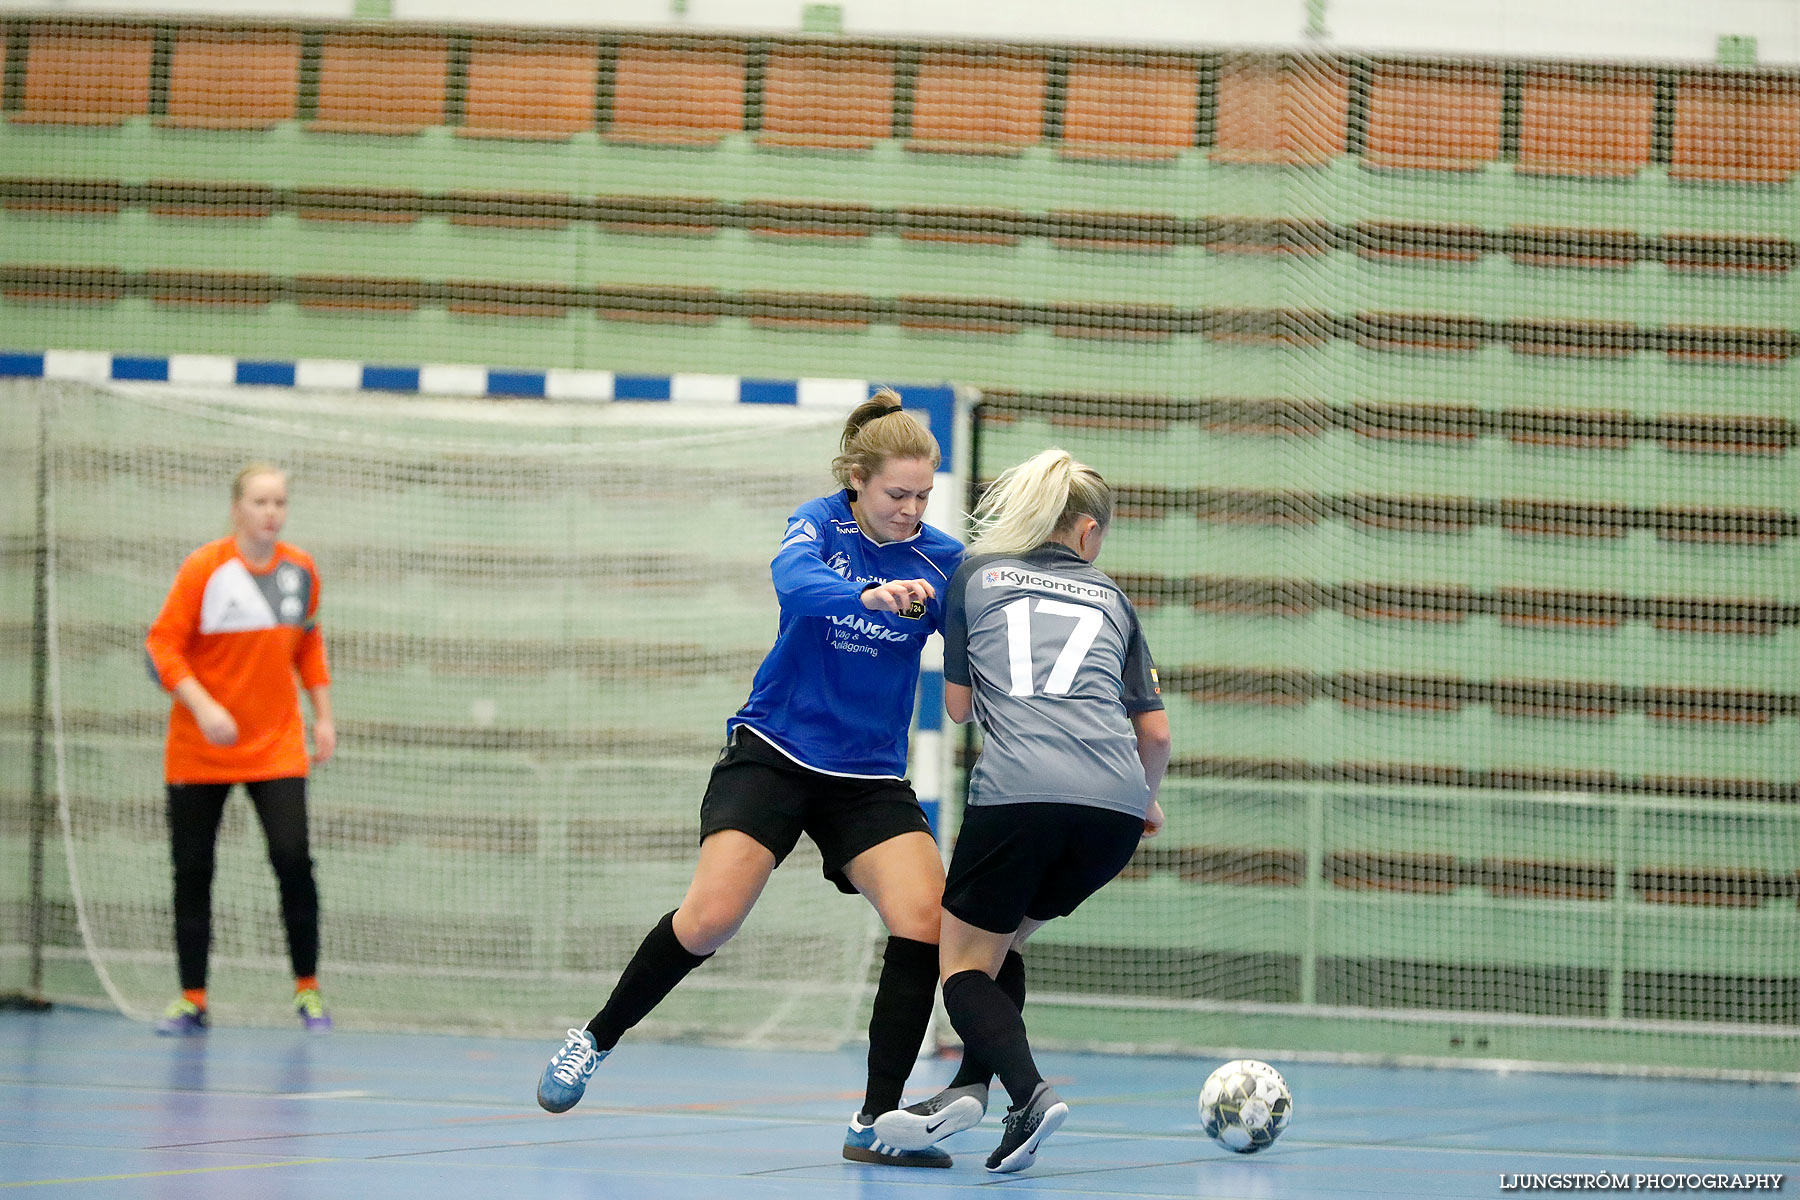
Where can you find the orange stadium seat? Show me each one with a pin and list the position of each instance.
(827, 97)
(381, 83)
(529, 89)
(85, 75)
(1736, 130)
(677, 93)
(1289, 111)
(233, 78)
(1129, 107)
(1433, 118)
(966, 102)
(1586, 122)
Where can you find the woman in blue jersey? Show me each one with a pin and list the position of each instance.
(1046, 652)
(820, 748)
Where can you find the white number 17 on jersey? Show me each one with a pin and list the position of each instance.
(1068, 661)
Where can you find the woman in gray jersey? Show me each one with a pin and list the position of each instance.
(1046, 652)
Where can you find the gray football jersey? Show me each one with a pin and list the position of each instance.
(1056, 660)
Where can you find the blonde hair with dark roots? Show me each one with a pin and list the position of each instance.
(251, 471)
(876, 432)
(1038, 500)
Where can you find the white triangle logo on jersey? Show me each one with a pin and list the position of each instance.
(232, 603)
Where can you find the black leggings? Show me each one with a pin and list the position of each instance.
(194, 813)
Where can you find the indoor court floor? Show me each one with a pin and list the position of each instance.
(94, 1105)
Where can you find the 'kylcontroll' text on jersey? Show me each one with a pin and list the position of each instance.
(1057, 663)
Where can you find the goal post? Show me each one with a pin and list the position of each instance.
(539, 617)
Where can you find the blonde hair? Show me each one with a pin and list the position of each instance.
(878, 431)
(251, 471)
(1038, 500)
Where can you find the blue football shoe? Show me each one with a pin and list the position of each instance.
(566, 1077)
(861, 1145)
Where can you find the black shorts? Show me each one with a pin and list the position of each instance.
(1035, 859)
(758, 790)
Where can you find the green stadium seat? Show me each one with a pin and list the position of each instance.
(210, 289)
(1296, 237)
(1431, 118)
(483, 298)
(1392, 241)
(1706, 434)
(788, 220)
(1436, 332)
(85, 75)
(74, 197)
(529, 89)
(1290, 111)
(659, 305)
(511, 210)
(1727, 254)
(1557, 247)
(233, 79)
(1516, 879)
(63, 285)
(1572, 339)
(1134, 108)
(1425, 874)
(379, 82)
(1736, 128)
(677, 93)
(234, 201)
(936, 314)
(978, 102)
(383, 206)
(1241, 866)
(1716, 887)
(660, 216)
(961, 226)
(833, 311)
(356, 293)
(1511, 778)
(1590, 122)
(1722, 344)
(1727, 526)
(827, 97)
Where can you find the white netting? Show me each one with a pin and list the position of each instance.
(1451, 401)
(538, 619)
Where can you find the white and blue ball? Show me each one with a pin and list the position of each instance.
(1244, 1105)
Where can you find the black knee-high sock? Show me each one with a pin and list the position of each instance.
(1012, 981)
(909, 972)
(660, 963)
(993, 1029)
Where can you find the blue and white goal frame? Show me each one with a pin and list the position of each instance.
(946, 407)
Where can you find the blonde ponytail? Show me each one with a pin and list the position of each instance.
(1037, 500)
(878, 431)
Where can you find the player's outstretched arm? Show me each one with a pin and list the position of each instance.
(897, 595)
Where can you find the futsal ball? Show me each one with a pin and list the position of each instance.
(1244, 1105)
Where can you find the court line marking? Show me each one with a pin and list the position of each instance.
(297, 1162)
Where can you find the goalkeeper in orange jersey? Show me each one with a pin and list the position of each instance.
(237, 627)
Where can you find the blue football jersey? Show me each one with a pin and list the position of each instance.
(836, 691)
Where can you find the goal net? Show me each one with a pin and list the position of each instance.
(539, 617)
(1450, 400)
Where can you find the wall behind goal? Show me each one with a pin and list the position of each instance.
(1451, 401)
(1671, 29)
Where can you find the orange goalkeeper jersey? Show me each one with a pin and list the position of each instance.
(243, 633)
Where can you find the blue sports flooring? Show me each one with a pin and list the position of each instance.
(93, 1105)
